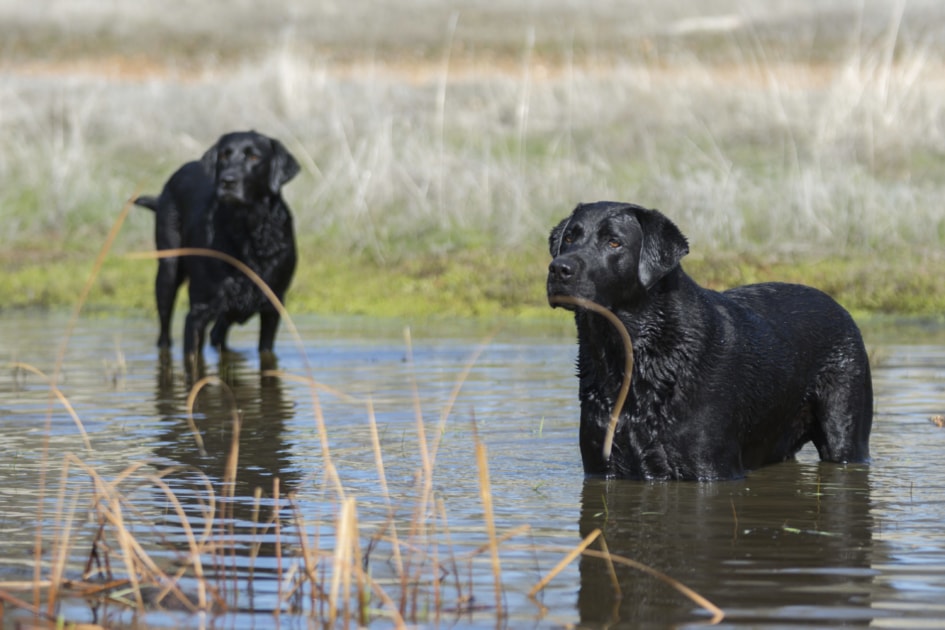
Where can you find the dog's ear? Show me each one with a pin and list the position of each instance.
(554, 239)
(663, 246)
(282, 167)
(209, 161)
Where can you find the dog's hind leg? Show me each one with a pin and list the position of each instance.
(219, 332)
(843, 412)
(170, 276)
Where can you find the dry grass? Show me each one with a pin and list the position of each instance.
(781, 131)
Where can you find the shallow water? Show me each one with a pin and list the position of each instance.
(797, 544)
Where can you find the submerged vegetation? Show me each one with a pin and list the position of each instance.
(440, 144)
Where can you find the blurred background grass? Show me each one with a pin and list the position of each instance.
(440, 142)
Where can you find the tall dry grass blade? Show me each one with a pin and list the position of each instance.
(382, 477)
(568, 559)
(582, 549)
(108, 503)
(425, 461)
(254, 545)
(196, 549)
(308, 553)
(418, 524)
(62, 543)
(485, 493)
(346, 540)
(331, 473)
(227, 520)
(457, 388)
(277, 528)
(717, 614)
(191, 402)
(60, 360)
(611, 570)
(628, 360)
(16, 602)
(441, 506)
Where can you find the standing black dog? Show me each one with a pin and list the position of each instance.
(229, 201)
(722, 383)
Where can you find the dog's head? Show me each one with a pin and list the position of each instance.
(612, 253)
(247, 166)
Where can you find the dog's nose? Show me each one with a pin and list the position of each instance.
(560, 269)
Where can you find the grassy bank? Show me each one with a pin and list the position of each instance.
(440, 144)
(480, 282)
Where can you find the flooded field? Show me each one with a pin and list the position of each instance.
(368, 450)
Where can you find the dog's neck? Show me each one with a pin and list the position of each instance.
(657, 327)
(654, 322)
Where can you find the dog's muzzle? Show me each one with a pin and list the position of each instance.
(561, 274)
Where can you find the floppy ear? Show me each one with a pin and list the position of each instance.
(282, 167)
(554, 239)
(663, 246)
(209, 161)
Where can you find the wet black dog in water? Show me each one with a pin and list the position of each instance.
(229, 201)
(722, 383)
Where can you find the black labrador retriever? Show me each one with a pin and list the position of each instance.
(229, 201)
(722, 383)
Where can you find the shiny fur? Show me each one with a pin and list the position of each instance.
(723, 382)
(229, 201)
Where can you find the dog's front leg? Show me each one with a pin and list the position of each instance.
(195, 327)
(268, 325)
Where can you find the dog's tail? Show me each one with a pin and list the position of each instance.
(147, 201)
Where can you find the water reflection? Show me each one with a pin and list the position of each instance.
(254, 399)
(736, 544)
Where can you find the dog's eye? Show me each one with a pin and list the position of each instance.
(568, 239)
(613, 243)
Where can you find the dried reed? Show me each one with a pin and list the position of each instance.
(628, 361)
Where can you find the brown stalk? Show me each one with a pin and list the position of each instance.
(568, 559)
(717, 613)
(195, 547)
(108, 501)
(60, 360)
(628, 360)
(582, 549)
(485, 491)
(379, 461)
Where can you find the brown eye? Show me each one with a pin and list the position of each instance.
(613, 243)
(568, 239)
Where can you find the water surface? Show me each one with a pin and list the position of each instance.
(796, 544)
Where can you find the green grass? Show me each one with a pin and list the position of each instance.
(480, 282)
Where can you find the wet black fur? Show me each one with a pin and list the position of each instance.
(229, 201)
(723, 382)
